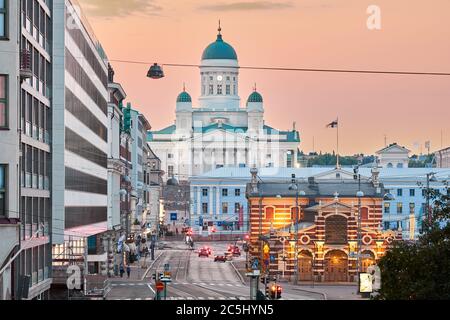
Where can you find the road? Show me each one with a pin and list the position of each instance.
(193, 278)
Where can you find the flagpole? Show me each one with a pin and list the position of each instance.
(337, 143)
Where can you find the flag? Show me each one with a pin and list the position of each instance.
(333, 124)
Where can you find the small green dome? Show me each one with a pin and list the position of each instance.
(219, 50)
(184, 97)
(255, 97)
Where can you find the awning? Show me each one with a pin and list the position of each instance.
(85, 231)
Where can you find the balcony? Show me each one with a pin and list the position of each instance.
(25, 64)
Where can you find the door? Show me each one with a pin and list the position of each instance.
(305, 266)
(336, 266)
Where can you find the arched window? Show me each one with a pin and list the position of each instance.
(336, 230)
(269, 213)
(364, 214)
(294, 214)
(390, 165)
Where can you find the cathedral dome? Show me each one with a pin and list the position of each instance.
(219, 50)
(184, 97)
(255, 97)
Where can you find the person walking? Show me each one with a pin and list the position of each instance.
(128, 271)
(122, 271)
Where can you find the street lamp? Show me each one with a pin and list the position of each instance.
(155, 72)
(298, 192)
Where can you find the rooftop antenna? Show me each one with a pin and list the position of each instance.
(220, 28)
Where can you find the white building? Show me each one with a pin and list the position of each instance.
(393, 156)
(219, 132)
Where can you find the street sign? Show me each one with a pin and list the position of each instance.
(272, 258)
(255, 264)
(173, 216)
(159, 286)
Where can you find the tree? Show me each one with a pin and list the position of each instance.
(421, 270)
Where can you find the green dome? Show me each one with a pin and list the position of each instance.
(219, 50)
(255, 97)
(184, 97)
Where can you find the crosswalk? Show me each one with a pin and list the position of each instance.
(192, 298)
(131, 284)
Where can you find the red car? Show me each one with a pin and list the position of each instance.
(203, 252)
(236, 251)
(220, 259)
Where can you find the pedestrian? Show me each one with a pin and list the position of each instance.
(128, 271)
(122, 271)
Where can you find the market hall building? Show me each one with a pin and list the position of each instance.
(327, 242)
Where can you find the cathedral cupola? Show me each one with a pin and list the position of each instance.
(255, 101)
(184, 101)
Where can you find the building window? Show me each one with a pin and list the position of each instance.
(228, 89)
(269, 213)
(387, 207)
(211, 89)
(237, 207)
(205, 192)
(224, 207)
(170, 171)
(336, 230)
(237, 192)
(3, 19)
(204, 208)
(364, 214)
(224, 192)
(412, 208)
(170, 156)
(219, 89)
(399, 207)
(412, 192)
(2, 190)
(3, 101)
(399, 192)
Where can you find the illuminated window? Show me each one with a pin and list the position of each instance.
(387, 207)
(399, 207)
(224, 207)
(364, 214)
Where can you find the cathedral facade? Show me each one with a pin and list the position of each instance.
(220, 132)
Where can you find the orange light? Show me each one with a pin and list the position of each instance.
(274, 288)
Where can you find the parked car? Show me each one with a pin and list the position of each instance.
(220, 258)
(203, 252)
(236, 251)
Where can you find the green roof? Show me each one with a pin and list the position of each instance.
(184, 97)
(219, 50)
(291, 136)
(255, 97)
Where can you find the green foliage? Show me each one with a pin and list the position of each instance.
(421, 270)
(329, 159)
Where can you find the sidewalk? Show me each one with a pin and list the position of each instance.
(331, 291)
(138, 269)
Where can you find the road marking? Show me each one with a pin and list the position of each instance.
(222, 298)
(150, 287)
(190, 298)
(201, 298)
(211, 298)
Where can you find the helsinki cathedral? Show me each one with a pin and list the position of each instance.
(219, 132)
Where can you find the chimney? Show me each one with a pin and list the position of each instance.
(375, 177)
(254, 182)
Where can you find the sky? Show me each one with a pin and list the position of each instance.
(372, 109)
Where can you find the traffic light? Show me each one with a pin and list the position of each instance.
(268, 293)
(275, 291)
(247, 237)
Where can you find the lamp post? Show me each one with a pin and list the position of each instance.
(294, 186)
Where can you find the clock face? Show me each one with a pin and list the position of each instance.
(219, 78)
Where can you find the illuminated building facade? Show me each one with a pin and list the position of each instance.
(327, 241)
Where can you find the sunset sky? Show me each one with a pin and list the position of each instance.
(414, 36)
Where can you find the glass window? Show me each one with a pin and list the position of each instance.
(237, 207)
(205, 192)
(211, 89)
(219, 89)
(224, 207)
(399, 192)
(2, 190)
(224, 192)
(170, 171)
(3, 101)
(237, 192)
(204, 207)
(412, 192)
(387, 207)
(3, 19)
(399, 207)
(412, 207)
(228, 89)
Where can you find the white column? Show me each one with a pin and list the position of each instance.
(218, 201)
(211, 201)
